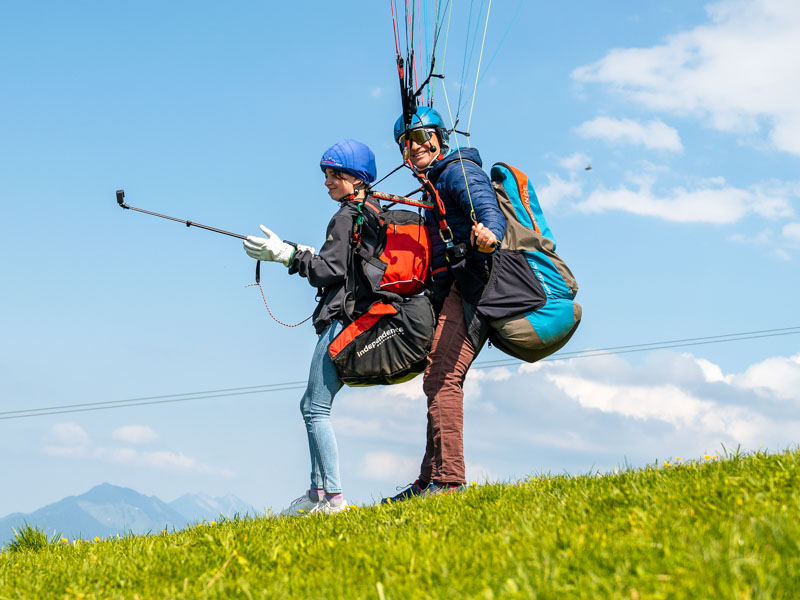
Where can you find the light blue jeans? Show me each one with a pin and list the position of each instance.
(323, 383)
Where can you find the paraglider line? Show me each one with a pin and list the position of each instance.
(477, 72)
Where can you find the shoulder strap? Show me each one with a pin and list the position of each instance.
(453, 251)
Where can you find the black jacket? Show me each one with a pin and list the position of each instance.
(330, 269)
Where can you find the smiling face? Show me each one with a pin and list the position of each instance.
(340, 184)
(423, 154)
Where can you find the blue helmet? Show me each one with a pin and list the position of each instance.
(353, 157)
(424, 118)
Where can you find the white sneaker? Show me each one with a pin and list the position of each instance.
(324, 507)
(299, 506)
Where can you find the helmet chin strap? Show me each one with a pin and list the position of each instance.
(362, 187)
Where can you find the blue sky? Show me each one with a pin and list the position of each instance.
(686, 226)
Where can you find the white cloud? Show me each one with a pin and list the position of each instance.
(177, 462)
(134, 434)
(558, 191)
(376, 92)
(654, 134)
(762, 238)
(68, 434)
(364, 412)
(408, 390)
(713, 202)
(791, 231)
(782, 254)
(390, 466)
(737, 72)
(399, 402)
(778, 376)
(398, 413)
(120, 456)
(347, 423)
(664, 402)
(711, 372)
(575, 162)
(672, 404)
(580, 415)
(479, 473)
(69, 440)
(65, 451)
(393, 467)
(476, 380)
(565, 440)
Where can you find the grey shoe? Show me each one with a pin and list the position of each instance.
(330, 507)
(300, 506)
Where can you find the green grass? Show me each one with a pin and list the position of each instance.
(710, 529)
(30, 539)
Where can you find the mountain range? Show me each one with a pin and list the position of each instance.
(106, 510)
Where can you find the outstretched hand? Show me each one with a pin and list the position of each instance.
(483, 238)
(271, 248)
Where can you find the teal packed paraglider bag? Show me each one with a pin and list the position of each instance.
(529, 300)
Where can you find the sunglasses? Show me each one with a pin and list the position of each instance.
(420, 136)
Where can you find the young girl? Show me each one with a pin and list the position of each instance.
(348, 166)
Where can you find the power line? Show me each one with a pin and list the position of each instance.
(177, 397)
(126, 403)
(295, 385)
(714, 339)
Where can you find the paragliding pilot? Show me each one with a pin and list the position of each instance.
(349, 166)
(465, 230)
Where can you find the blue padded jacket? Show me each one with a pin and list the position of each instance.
(448, 178)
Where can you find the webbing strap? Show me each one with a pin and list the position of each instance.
(358, 224)
(438, 208)
(403, 200)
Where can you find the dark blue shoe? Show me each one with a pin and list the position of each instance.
(438, 489)
(413, 489)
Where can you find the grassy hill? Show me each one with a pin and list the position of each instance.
(711, 528)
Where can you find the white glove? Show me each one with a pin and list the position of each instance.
(271, 248)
